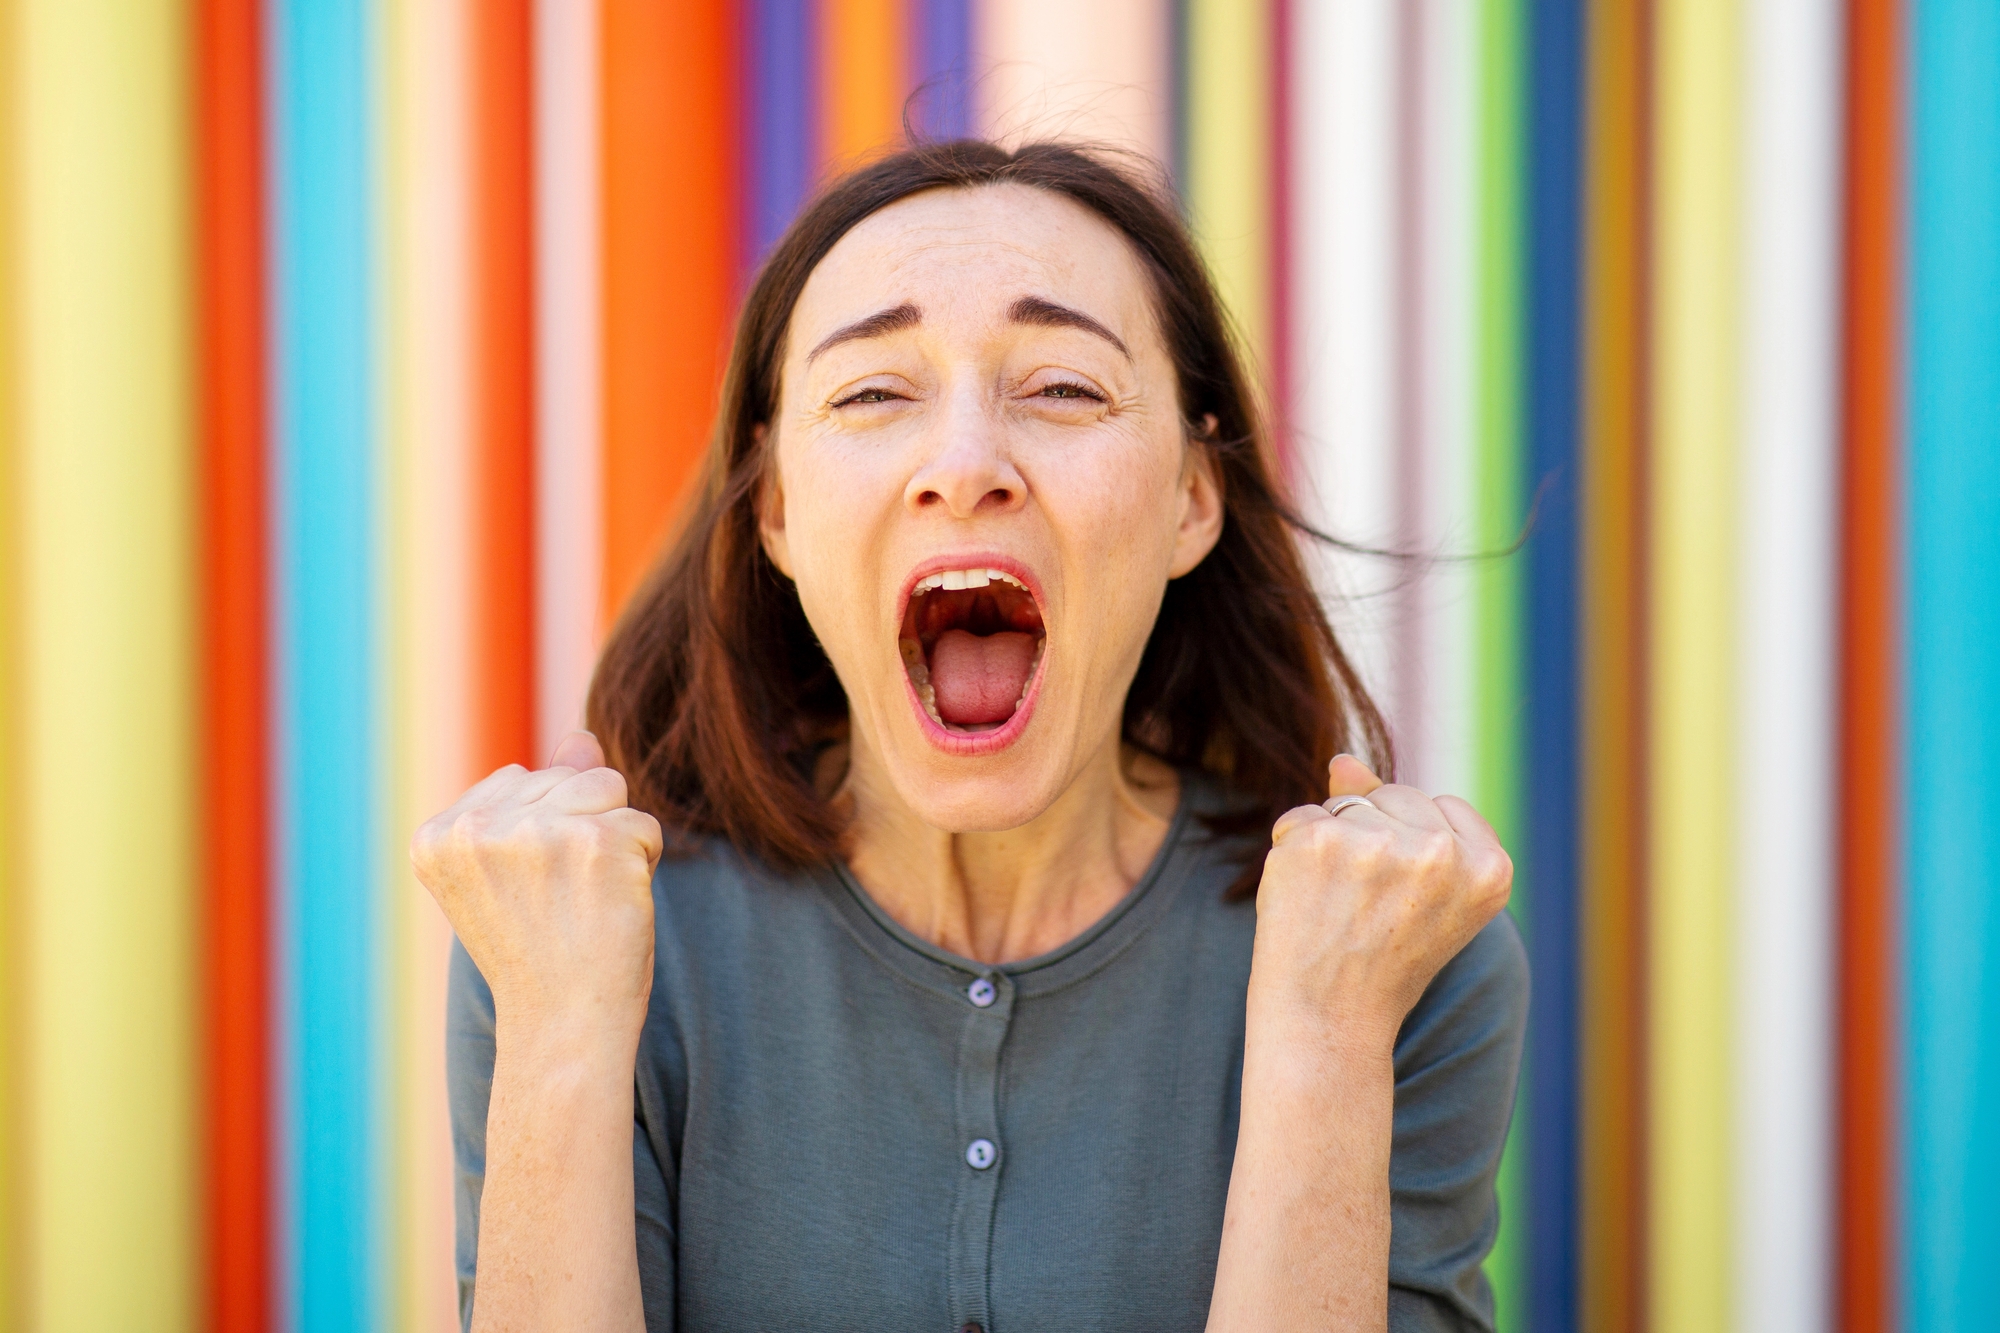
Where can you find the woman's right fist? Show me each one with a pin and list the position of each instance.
(547, 878)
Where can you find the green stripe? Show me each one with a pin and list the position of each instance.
(1496, 602)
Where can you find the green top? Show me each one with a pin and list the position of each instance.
(839, 1126)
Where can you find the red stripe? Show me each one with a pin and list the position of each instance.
(234, 737)
(671, 231)
(1870, 637)
(503, 405)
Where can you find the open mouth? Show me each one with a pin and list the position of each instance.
(971, 642)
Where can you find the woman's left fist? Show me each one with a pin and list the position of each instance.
(1356, 912)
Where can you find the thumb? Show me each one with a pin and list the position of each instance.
(578, 750)
(1348, 776)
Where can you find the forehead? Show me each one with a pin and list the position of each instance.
(988, 245)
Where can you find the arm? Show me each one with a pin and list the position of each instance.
(546, 879)
(1356, 914)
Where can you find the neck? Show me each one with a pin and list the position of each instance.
(1001, 897)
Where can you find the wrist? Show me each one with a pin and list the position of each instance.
(1347, 1028)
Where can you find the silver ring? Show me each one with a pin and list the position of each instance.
(1346, 801)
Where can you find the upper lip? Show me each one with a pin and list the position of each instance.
(968, 560)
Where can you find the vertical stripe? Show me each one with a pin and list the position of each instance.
(427, 497)
(568, 527)
(15, 939)
(1496, 582)
(940, 56)
(1110, 79)
(1952, 1011)
(1546, 864)
(1784, 671)
(1693, 709)
(229, 107)
(327, 535)
(503, 400)
(670, 271)
(1434, 740)
(780, 115)
(1344, 314)
(107, 477)
(862, 68)
(1870, 626)
(1611, 1245)
(1228, 165)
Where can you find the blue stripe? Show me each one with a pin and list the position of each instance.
(326, 708)
(1952, 965)
(782, 94)
(942, 64)
(1551, 735)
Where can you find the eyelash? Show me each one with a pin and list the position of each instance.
(870, 396)
(1072, 388)
(1061, 389)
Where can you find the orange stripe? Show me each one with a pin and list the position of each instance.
(1869, 640)
(230, 249)
(503, 404)
(862, 76)
(670, 260)
(1615, 354)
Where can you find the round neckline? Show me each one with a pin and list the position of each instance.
(1097, 943)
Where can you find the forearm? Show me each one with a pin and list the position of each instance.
(557, 1249)
(1305, 1237)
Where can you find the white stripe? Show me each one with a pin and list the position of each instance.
(568, 512)
(1785, 869)
(1343, 321)
(1100, 72)
(1437, 721)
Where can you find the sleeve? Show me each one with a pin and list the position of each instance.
(1457, 1059)
(469, 1089)
(468, 1065)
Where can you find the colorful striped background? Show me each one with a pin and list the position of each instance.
(356, 354)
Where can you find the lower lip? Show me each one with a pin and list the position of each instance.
(971, 744)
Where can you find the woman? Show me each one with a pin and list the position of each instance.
(1000, 972)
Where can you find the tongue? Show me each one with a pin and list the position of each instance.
(978, 679)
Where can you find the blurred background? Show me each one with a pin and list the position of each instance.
(356, 354)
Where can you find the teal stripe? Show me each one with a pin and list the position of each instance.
(332, 973)
(1952, 964)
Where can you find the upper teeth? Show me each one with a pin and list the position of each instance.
(953, 580)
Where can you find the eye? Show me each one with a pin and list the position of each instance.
(1070, 389)
(868, 396)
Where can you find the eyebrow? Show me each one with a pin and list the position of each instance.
(1035, 310)
(903, 316)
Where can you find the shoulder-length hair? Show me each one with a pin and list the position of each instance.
(714, 698)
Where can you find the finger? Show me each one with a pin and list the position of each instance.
(591, 792)
(578, 750)
(1465, 821)
(1293, 820)
(537, 785)
(1410, 806)
(1348, 776)
(489, 787)
(642, 828)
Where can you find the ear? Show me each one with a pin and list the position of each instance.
(771, 513)
(1201, 503)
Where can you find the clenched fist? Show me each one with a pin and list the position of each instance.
(1358, 911)
(547, 878)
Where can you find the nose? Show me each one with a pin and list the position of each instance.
(967, 468)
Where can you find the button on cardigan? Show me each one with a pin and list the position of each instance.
(840, 1126)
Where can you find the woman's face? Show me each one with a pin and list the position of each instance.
(983, 483)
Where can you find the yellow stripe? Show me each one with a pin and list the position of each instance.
(1693, 505)
(12, 1090)
(424, 161)
(1229, 72)
(105, 465)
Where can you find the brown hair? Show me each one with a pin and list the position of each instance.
(714, 698)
